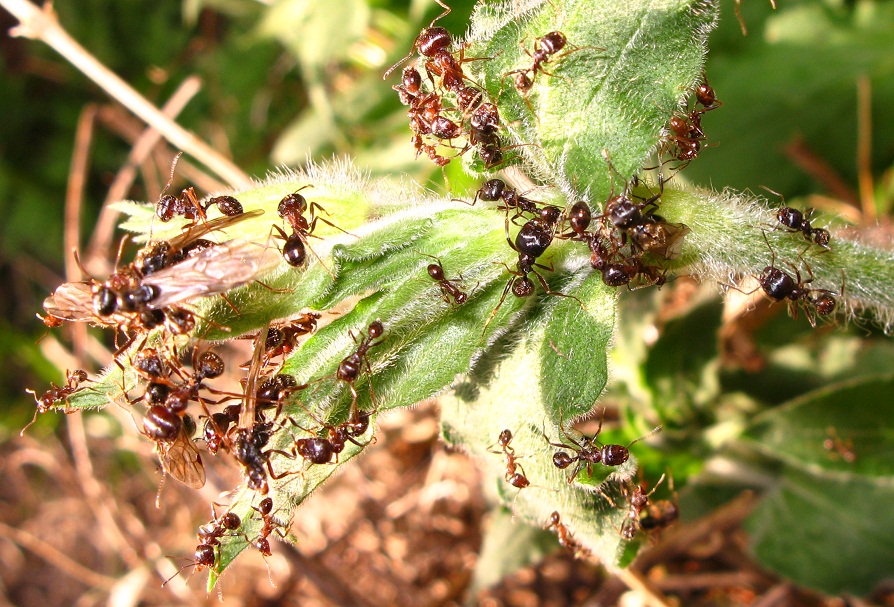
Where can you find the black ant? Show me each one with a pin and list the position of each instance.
(622, 273)
(350, 367)
(56, 393)
(590, 451)
(779, 286)
(531, 242)
(794, 220)
(429, 41)
(248, 450)
(566, 538)
(515, 478)
(448, 286)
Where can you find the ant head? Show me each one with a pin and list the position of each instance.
(375, 330)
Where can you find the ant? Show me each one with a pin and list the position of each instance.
(590, 451)
(292, 208)
(655, 235)
(659, 515)
(637, 501)
(209, 536)
(261, 543)
(515, 478)
(622, 273)
(248, 451)
(429, 41)
(217, 427)
(566, 538)
(545, 49)
(350, 367)
(531, 242)
(578, 217)
(56, 393)
(838, 447)
(793, 220)
(410, 87)
(228, 205)
(778, 285)
(705, 96)
(448, 287)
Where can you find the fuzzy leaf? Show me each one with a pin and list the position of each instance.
(847, 416)
(625, 69)
(832, 534)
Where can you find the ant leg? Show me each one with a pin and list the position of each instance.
(548, 291)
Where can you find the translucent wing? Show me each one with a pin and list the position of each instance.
(212, 271)
(247, 415)
(182, 461)
(200, 229)
(73, 301)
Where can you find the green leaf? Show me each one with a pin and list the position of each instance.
(832, 534)
(627, 66)
(817, 431)
(574, 350)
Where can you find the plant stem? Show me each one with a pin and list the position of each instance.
(43, 24)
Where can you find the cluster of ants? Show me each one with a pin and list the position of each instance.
(454, 106)
(585, 453)
(147, 301)
(628, 242)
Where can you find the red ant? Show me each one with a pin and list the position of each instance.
(838, 447)
(566, 538)
(209, 536)
(515, 478)
(56, 393)
(292, 208)
(545, 50)
(637, 501)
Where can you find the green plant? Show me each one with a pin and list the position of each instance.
(535, 365)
